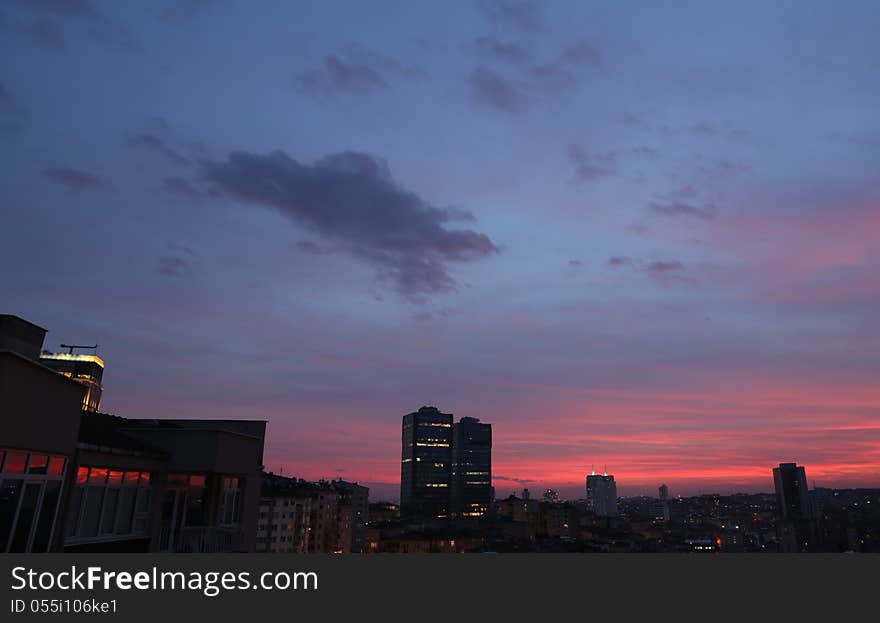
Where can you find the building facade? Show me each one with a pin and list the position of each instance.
(76, 480)
(86, 369)
(426, 464)
(602, 495)
(471, 484)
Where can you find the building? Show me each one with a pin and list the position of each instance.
(792, 495)
(602, 495)
(77, 480)
(794, 527)
(471, 495)
(426, 464)
(87, 369)
(38, 441)
(296, 516)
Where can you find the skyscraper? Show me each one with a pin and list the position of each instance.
(602, 494)
(792, 496)
(426, 464)
(86, 369)
(794, 528)
(471, 494)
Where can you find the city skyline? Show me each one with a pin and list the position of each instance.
(646, 239)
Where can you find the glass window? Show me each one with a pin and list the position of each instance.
(47, 516)
(115, 478)
(82, 475)
(145, 478)
(131, 478)
(98, 475)
(39, 464)
(10, 492)
(73, 510)
(22, 531)
(2, 456)
(94, 498)
(126, 509)
(56, 465)
(15, 462)
(111, 498)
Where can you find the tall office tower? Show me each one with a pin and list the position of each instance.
(87, 369)
(664, 493)
(792, 495)
(602, 495)
(426, 464)
(471, 494)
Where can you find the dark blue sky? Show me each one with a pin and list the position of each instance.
(638, 234)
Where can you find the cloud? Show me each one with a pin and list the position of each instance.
(77, 179)
(357, 70)
(576, 263)
(350, 200)
(184, 188)
(663, 271)
(172, 266)
(340, 76)
(525, 15)
(99, 28)
(706, 212)
(153, 143)
(590, 167)
(501, 50)
(583, 54)
(493, 90)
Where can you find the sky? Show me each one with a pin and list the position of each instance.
(637, 235)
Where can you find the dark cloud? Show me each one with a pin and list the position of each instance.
(172, 266)
(313, 248)
(153, 143)
(99, 28)
(665, 272)
(590, 167)
(340, 76)
(525, 15)
(644, 150)
(77, 179)
(583, 54)
(46, 33)
(493, 90)
(184, 188)
(502, 50)
(350, 200)
(576, 263)
(683, 209)
(356, 70)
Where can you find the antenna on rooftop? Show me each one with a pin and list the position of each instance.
(70, 347)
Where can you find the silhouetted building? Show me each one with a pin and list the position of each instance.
(795, 528)
(426, 464)
(87, 369)
(84, 481)
(471, 468)
(664, 493)
(602, 495)
(792, 496)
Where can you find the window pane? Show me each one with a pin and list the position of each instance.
(115, 478)
(126, 510)
(39, 464)
(56, 465)
(73, 508)
(19, 540)
(82, 475)
(145, 478)
(98, 475)
(47, 516)
(92, 511)
(15, 462)
(131, 478)
(10, 491)
(110, 500)
(2, 456)
(143, 502)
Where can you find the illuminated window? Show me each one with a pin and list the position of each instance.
(15, 462)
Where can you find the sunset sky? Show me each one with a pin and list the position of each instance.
(623, 233)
